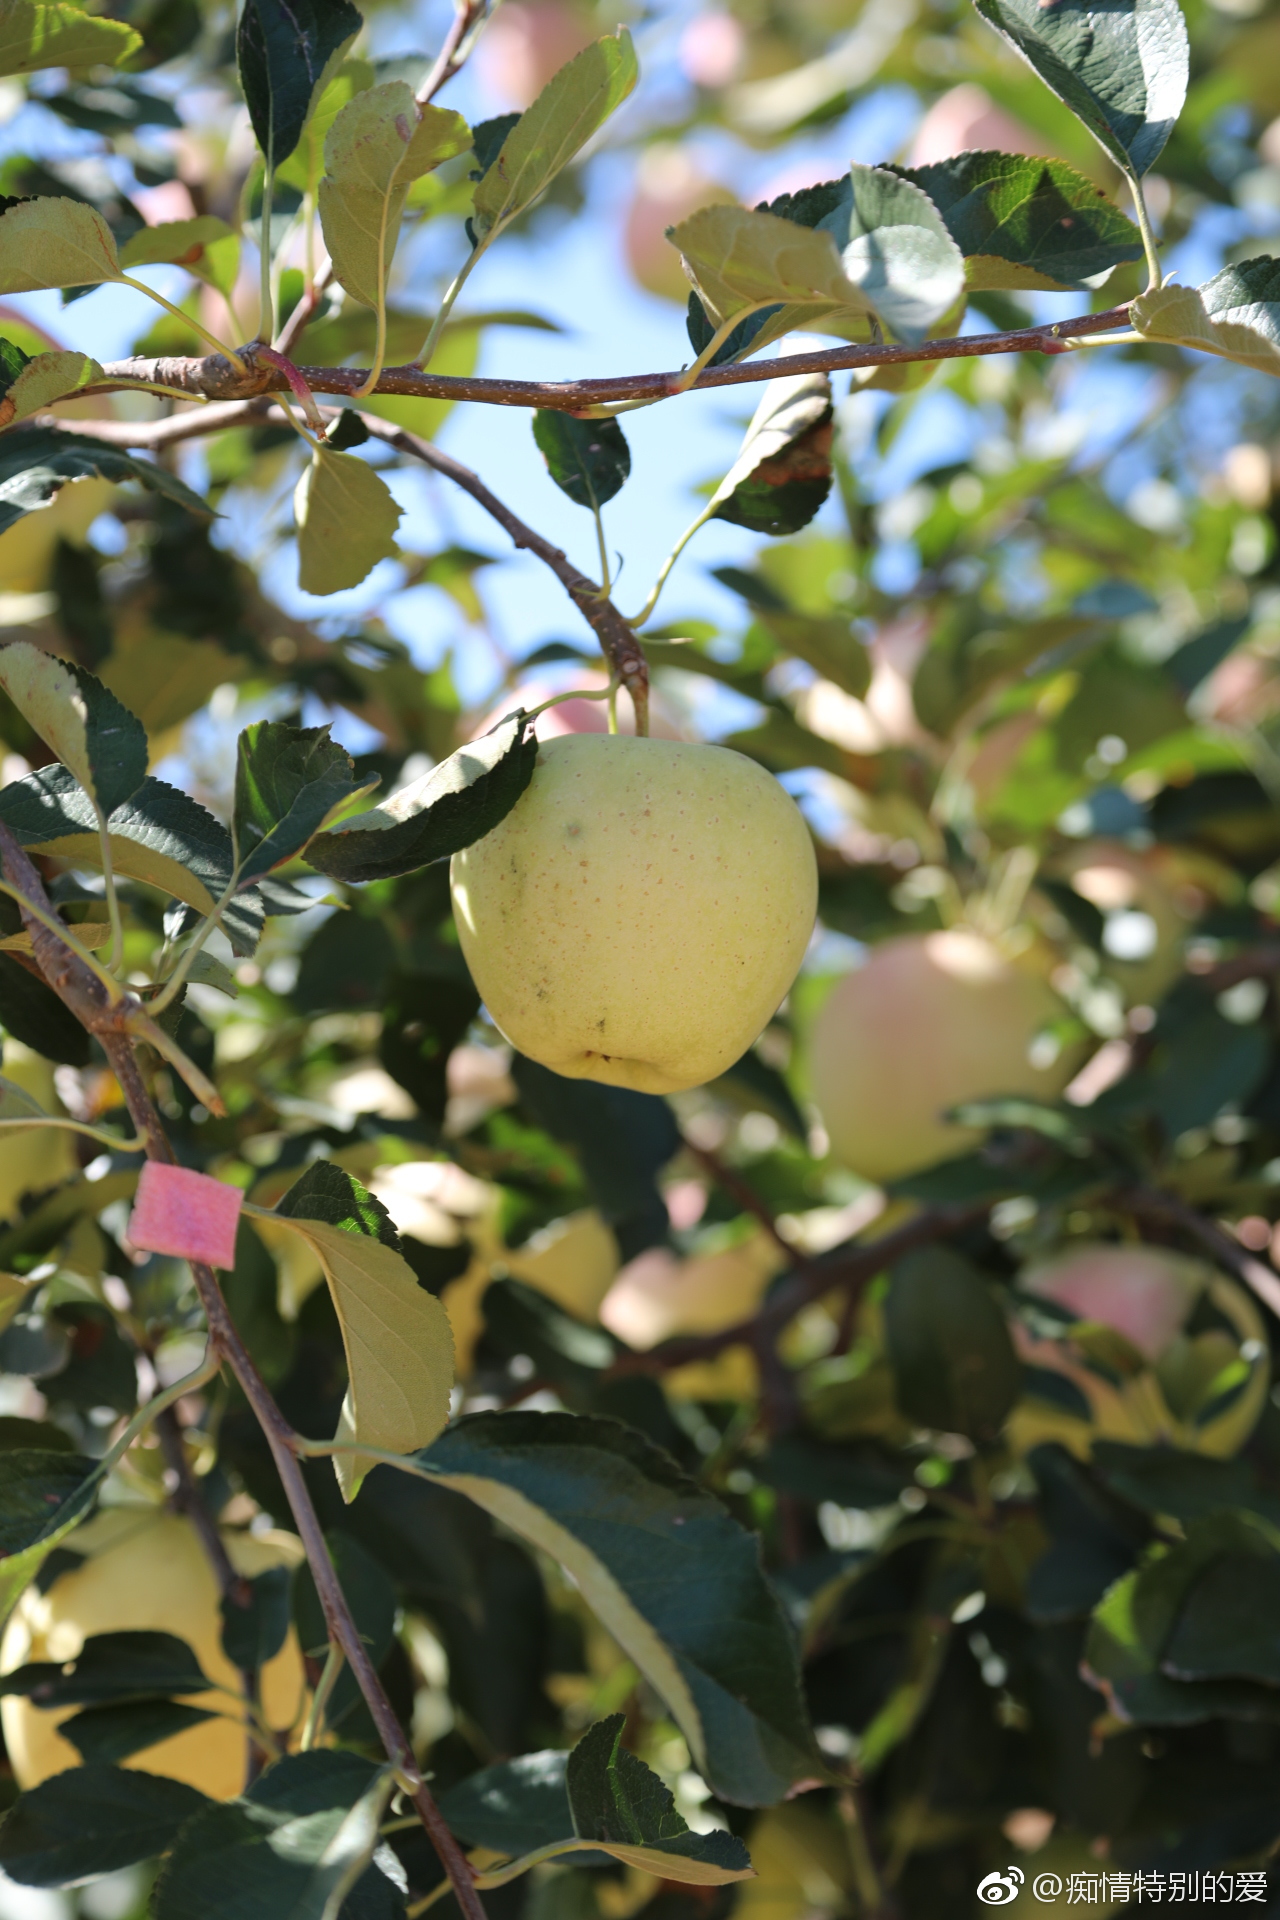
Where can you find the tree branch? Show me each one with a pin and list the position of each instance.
(218, 378)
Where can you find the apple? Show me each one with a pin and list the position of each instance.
(146, 1571)
(527, 42)
(669, 187)
(1141, 1292)
(641, 911)
(656, 1296)
(929, 1021)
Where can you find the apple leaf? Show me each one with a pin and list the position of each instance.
(739, 260)
(92, 1820)
(1120, 65)
(1023, 222)
(304, 1836)
(87, 728)
(1236, 314)
(35, 34)
(669, 1572)
(379, 144)
(305, 164)
(895, 246)
(46, 1495)
(54, 241)
(622, 1805)
(43, 379)
(398, 1343)
(160, 836)
(107, 1735)
(347, 522)
(127, 1665)
(206, 246)
(289, 780)
(457, 803)
(827, 642)
(574, 105)
(36, 461)
(17, 1104)
(287, 54)
(782, 474)
(588, 459)
(31, 1011)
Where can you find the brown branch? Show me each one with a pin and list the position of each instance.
(467, 13)
(617, 641)
(732, 1183)
(1153, 1204)
(88, 999)
(218, 378)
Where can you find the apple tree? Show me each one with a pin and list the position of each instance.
(636, 1268)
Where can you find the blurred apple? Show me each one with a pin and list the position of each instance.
(929, 1021)
(641, 912)
(572, 1261)
(669, 187)
(713, 49)
(657, 1295)
(1143, 1292)
(527, 42)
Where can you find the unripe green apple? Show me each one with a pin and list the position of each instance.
(641, 912)
(931, 1020)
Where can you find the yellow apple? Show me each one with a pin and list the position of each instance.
(929, 1021)
(148, 1572)
(641, 912)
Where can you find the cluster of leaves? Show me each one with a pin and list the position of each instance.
(999, 1560)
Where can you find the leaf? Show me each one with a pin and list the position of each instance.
(346, 519)
(738, 261)
(457, 803)
(292, 1849)
(111, 1668)
(619, 1802)
(895, 246)
(1236, 314)
(254, 1632)
(574, 105)
(159, 836)
(514, 1807)
(782, 473)
(36, 461)
(92, 1820)
(588, 459)
(87, 728)
(287, 54)
(46, 378)
(31, 1011)
(206, 246)
(17, 1104)
(379, 144)
(826, 641)
(43, 33)
(53, 241)
(107, 1735)
(397, 1338)
(1120, 65)
(1025, 222)
(46, 1494)
(953, 1360)
(289, 780)
(669, 1572)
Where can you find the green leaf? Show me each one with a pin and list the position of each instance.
(372, 1600)
(1226, 1629)
(346, 519)
(253, 1632)
(287, 54)
(455, 804)
(1236, 314)
(53, 241)
(588, 459)
(328, 1193)
(782, 473)
(292, 1849)
(111, 1667)
(159, 836)
(46, 1495)
(895, 246)
(42, 380)
(92, 1820)
(107, 1735)
(514, 1807)
(827, 642)
(17, 1104)
(397, 1338)
(31, 1011)
(289, 780)
(379, 144)
(739, 261)
(44, 33)
(87, 728)
(36, 461)
(206, 246)
(1120, 65)
(619, 1802)
(953, 1360)
(669, 1572)
(1025, 222)
(572, 107)
(12, 361)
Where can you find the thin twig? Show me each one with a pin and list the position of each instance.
(1153, 1203)
(217, 378)
(448, 60)
(732, 1183)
